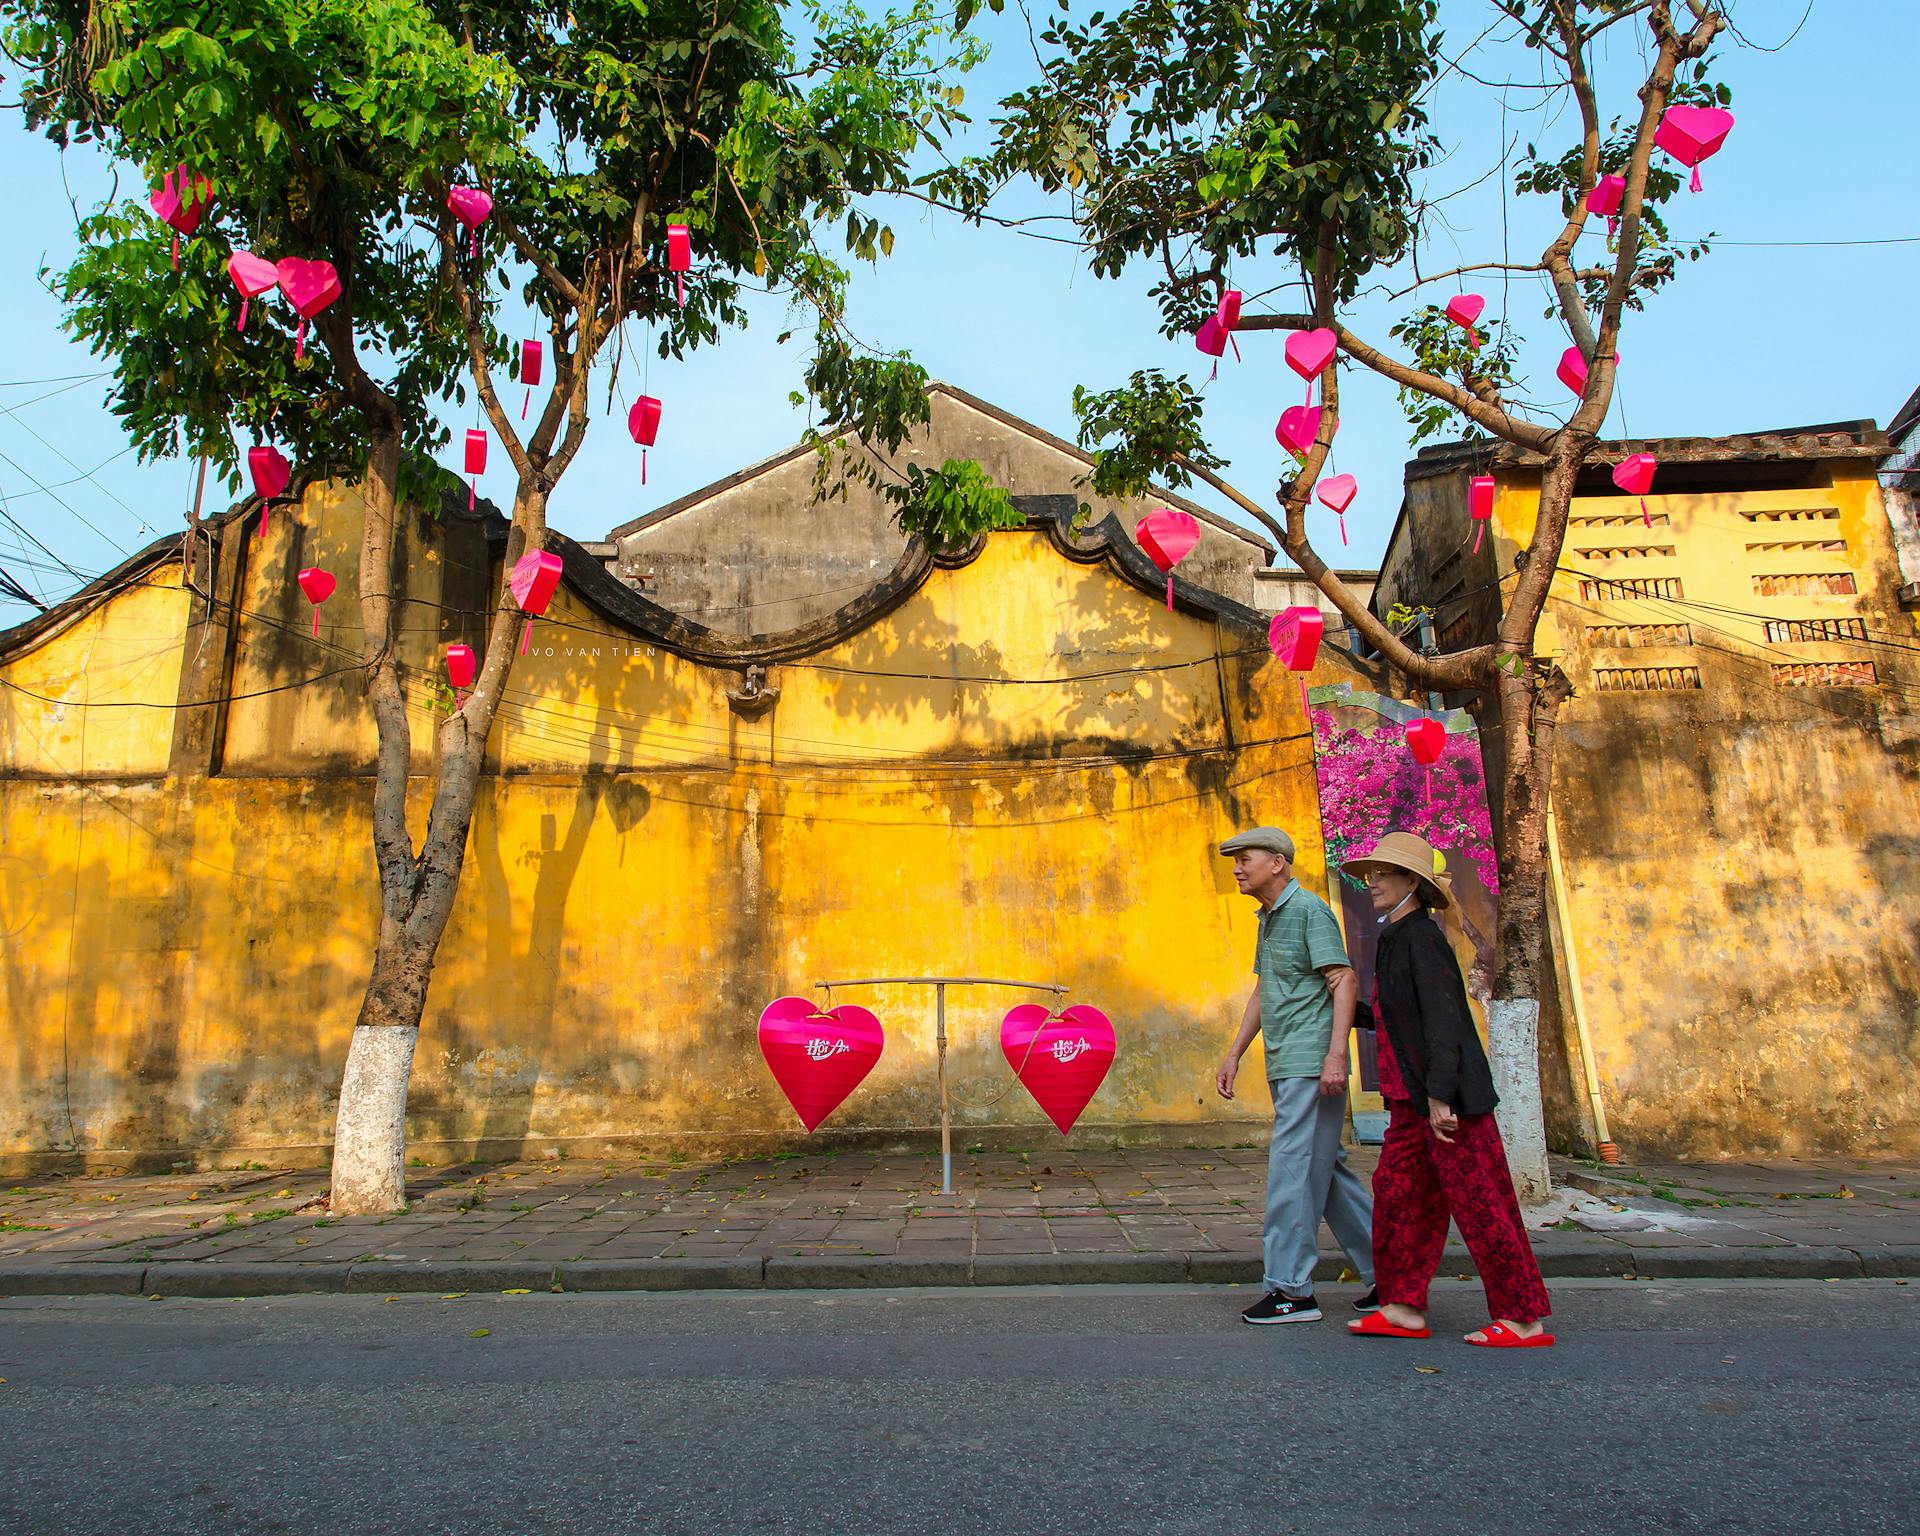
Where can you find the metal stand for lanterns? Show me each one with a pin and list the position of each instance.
(940, 985)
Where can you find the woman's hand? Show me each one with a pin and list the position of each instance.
(1443, 1120)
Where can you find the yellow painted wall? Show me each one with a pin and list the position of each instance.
(193, 949)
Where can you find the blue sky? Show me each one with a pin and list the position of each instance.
(1773, 329)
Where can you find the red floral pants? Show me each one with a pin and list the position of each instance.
(1419, 1183)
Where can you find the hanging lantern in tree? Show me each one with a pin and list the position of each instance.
(252, 275)
(310, 286)
(679, 258)
(1309, 352)
(1294, 636)
(1299, 426)
(1605, 199)
(470, 206)
(181, 203)
(1693, 134)
(1337, 493)
(476, 462)
(1168, 538)
(1212, 340)
(1634, 475)
(460, 669)
(530, 356)
(1463, 309)
(534, 580)
(1480, 506)
(1426, 739)
(643, 421)
(1227, 314)
(271, 474)
(318, 585)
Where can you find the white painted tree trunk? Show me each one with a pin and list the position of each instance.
(1513, 1041)
(370, 1131)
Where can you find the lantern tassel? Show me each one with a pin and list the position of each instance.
(176, 250)
(1473, 339)
(1215, 373)
(316, 621)
(680, 288)
(525, 635)
(643, 466)
(300, 339)
(1343, 526)
(1482, 528)
(1305, 708)
(472, 491)
(1694, 185)
(244, 302)
(1169, 591)
(526, 402)
(263, 517)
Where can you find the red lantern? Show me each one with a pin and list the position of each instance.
(460, 668)
(470, 206)
(1692, 134)
(1212, 340)
(1634, 475)
(270, 472)
(1336, 493)
(1463, 309)
(643, 421)
(1426, 739)
(1309, 352)
(310, 286)
(476, 462)
(252, 275)
(1168, 538)
(530, 355)
(1480, 506)
(1605, 199)
(180, 204)
(318, 585)
(534, 580)
(1294, 636)
(679, 257)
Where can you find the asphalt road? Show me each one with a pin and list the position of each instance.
(1675, 1406)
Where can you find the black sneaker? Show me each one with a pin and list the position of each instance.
(1279, 1307)
(1369, 1302)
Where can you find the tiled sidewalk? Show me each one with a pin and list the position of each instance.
(862, 1218)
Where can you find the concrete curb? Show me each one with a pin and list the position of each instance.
(836, 1271)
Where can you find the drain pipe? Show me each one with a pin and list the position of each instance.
(1563, 922)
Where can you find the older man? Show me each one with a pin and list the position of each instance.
(1302, 1007)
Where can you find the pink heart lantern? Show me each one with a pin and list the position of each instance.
(1299, 426)
(1168, 538)
(318, 585)
(1427, 739)
(643, 421)
(530, 355)
(534, 580)
(1061, 1059)
(1309, 352)
(310, 286)
(818, 1058)
(1605, 199)
(1634, 475)
(1480, 506)
(679, 257)
(181, 203)
(1693, 134)
(252, 275)
(460, 667)
(271, 473)
(1294, 636)
(1227, 314)
(476, 462)
(1212, 339)
(1337, 493)
(1572, 371)
(1463, 309)
(470, 206)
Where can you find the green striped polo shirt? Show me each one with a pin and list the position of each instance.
(1298, 936)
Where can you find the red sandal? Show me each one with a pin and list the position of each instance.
(1375, 1326)
(1500, 1336)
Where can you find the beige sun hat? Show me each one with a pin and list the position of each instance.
(1415, 855)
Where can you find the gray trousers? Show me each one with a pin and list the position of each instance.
(1307, 1179)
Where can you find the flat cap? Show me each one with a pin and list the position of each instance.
(1272, 839)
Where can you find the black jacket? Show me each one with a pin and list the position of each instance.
(1424, 1016)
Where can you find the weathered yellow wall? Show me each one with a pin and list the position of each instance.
(182, 969)
(1742, 856)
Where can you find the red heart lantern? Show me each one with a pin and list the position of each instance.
(530, 355)
(310, 286)
(318, 585)
(1480, 506)
(1299, 426)
(181, 203)
(1061, 1059)
(470, 206)
(1168, 538)
(1309, 352)
(1337, 493)
(535, 578)
(1227, 313)
(1572, 371)
(643, 421)
(252, 275)
(818, 1058)
(1426, 739)
(1294, 636)
(1212, 339)
(1634, 475)
(460, 668)
(1463, 309)
(1693, 134)
(271, 473)
(679, 257)
(476, 462)
(1605, 199)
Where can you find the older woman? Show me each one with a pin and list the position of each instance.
(1442, 1156)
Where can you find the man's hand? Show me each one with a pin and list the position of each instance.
(1223, 1079)
(1443, 1120)
(1333, 1076)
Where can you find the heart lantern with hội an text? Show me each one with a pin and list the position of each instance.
(1336, 494)
(1294, 636)
(1061, 1059)
(318, 585)
(535, 578)
(1168, 538)
(1693, 134)
(818, 1058)
(1634, 475)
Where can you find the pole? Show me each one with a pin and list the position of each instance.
(946, 1115)
(1563, 931)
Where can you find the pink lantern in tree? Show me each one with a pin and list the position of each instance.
(181, 203)
(679, 258)
(318, 585)
(643, 421)
(1426, 739)
(470, 206)
(1336, 493)
(534, 580)
(1227, 314)
(818, 1058)
(252, 275)
(1309, 352)
(476, 462)
(1168, 538)
(530, 356)
(1463, 309)
(271, 474)
(1693, 134)
(1298, 428)
(310, 286)
(1634, 475)
(461, 667)
(1212, 340)
(1605, 199)
(1294, 636)
(1480, 506)
(1061, 1059)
